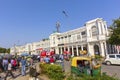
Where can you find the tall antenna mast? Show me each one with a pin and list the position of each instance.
(58, 26)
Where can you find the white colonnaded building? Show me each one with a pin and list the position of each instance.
(91, 37)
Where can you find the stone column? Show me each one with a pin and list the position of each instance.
(106, 52)
(68, 49)
(99, 28)
(72, 51)
(57, 50)
(106, 28)
(102, 49)
(77, 50)
(64, 48)
(88, 46)
(103, 28)
(82, 47)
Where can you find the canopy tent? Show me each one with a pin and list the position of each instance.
(39, 49)
(8, 55)
(43, 53)
(52, 53)
(24, 54)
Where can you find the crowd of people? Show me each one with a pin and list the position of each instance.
(8, 65)
(50, 58)
(19, 63)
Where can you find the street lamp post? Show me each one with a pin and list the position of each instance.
(15, 50)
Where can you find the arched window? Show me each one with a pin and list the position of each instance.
(96, 50)
(94, 31)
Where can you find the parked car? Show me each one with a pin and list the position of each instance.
(112, 59)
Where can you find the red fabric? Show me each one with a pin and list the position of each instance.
(43, 53)
(52, 60)
(66, 52)
(39, 49)
(14, 62)
(52, 53)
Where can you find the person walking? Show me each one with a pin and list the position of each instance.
(23, 66)
(9, 70)
(31, 61)
(18, 61)
(1, 66)
(14, 64)
(61, 58)
(5, 64)
(47, 59)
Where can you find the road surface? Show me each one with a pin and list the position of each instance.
(112, 70)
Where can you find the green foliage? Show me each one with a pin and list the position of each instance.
(98, 57)
(54, 72)
(4, 50)
(8, 50)
(115, 37)
(84, 77)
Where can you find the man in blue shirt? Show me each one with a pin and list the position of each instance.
(23, 64)
(47, 59)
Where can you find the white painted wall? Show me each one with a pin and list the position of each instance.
(53, 38)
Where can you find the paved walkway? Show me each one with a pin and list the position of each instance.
(17, 74)
(41, 77)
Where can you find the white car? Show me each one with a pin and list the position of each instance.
(112, 59)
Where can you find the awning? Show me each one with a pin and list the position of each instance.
(39, 49)
(43, 53)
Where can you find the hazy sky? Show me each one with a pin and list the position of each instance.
(24, 21)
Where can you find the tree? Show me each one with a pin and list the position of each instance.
(4, 50)
(115, 36)
(8, 50)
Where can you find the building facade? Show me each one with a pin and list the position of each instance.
(31, 48)
(90, 37)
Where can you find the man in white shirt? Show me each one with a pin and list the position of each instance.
(9, 70)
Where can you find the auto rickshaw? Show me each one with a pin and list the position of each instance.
(85, 65)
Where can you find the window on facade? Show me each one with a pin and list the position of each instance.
(94, 31)
(65, 36)
(69, 36)
(53, 38)
(111, 56)
(78, 36)
(58, 38)
(83, 33)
